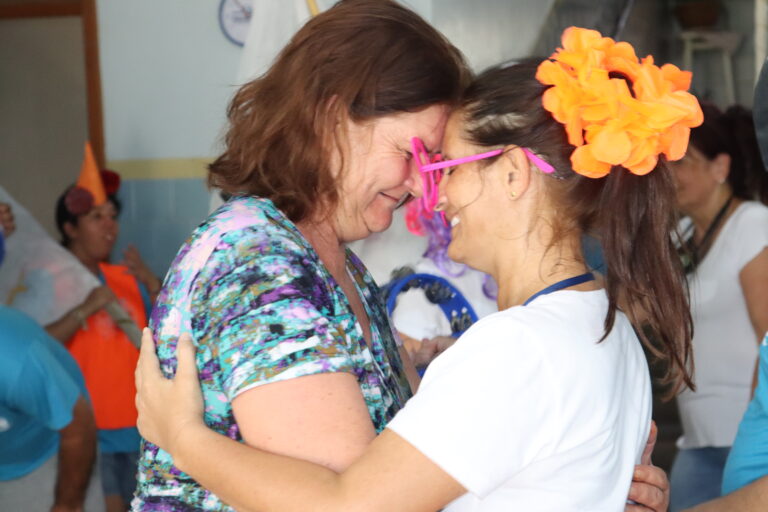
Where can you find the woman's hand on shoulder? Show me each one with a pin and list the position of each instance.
(167, 407)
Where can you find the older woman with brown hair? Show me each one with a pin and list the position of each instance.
(294, 349)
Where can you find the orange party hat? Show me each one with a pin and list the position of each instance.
(90, 178)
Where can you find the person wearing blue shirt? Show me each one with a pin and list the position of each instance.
(745, 479)
(47, 429)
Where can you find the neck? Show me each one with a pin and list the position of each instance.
(702, 216)
(535, 269)
(86, 259)
(330, 249)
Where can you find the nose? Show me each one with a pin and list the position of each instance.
(111, 224)
(415, 181)
(441, 199)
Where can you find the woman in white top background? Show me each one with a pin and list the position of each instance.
(544, 405)
(720, 183)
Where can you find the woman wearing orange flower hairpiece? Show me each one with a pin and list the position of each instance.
(546, 404)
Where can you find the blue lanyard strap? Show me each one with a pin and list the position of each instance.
(565, 283)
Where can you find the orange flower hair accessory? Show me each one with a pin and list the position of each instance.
(617, 109)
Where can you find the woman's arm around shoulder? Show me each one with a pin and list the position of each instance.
(391, 474)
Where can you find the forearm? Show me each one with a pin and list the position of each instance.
(284, 484)
(750, 498)
(65, 327)
(77, 453)
(410, 370)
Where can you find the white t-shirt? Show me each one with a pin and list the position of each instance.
(725, 344)
(529, 412)
(415, 316)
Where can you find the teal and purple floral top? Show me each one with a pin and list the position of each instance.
(261, 308)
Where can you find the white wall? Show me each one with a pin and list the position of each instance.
(167, 73)
(489, 32)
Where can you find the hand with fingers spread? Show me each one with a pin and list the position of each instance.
(136, 265)
(167, 407)
(650, 486)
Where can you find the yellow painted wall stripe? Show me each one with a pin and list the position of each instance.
(161, 168)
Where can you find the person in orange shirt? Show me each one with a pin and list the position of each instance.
(104, 353)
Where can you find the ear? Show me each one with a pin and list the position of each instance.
(335, 134)
(515, 172)
(70, 230)
(721, 167)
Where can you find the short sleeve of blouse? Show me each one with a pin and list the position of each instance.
(750, 233)
(483, 410)
(264, 308)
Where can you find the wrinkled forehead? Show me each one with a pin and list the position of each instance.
(427, 124)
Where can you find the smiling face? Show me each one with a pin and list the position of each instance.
(470, 200)
(697, 179)
(379, 169)
(95, 232)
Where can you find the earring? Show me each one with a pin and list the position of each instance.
(513, 194)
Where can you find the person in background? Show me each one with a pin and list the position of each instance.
(750, 498)
(47, 429)
(720, 183)
(544, 405)
(87, 221)
(745, 484)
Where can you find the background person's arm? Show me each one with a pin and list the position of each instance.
(77, 453)
(65, 327)
(750, 498)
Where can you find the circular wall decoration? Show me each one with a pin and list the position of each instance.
(234, 19)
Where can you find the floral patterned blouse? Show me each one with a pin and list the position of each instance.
(261, 308)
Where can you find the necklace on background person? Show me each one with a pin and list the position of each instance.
(692, 253)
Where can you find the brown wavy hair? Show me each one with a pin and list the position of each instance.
(632, 216)
(360, 59)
